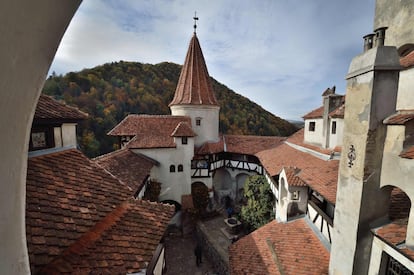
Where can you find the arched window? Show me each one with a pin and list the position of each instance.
(180, 168)
(172, 168)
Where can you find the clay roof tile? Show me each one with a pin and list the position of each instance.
(194, 86)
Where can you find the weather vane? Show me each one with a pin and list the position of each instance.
(195, 21)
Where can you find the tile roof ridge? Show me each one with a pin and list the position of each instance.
(63, 103)
(309, 151)
(253, 136)
(51, 151)
(110, 154)
(90, 237)
(275, 258)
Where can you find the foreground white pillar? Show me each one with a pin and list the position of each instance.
(30, 34)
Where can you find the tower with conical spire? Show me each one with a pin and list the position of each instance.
(194, 96)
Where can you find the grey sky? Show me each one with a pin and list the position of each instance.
(281, 54)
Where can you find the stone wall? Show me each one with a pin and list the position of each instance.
(219, 262)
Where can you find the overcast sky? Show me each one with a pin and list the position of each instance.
(281, 54)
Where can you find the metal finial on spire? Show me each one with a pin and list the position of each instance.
(195, 21)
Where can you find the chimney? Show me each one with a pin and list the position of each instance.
(380, 36)
(368, 41)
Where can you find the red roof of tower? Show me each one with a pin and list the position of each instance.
(194, 86)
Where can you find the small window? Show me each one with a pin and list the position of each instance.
(172, 168)
(184, 140)
(295, 195)
(180, 168)
(333, 127)
(198, 121)
(41, 138)
(312, 126)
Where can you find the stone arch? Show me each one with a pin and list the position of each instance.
(405, 49)
(222, 180)
(38, 36)
(399, 203)
(222, 185)
(240, 181)
(399, 209)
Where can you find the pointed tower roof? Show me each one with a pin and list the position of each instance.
(194, 86)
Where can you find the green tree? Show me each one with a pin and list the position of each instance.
(260, 201)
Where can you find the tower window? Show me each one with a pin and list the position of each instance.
(184, 140)
(180, 168)
(198, 121)
(172, 168)
(333, 127)
(312, 126)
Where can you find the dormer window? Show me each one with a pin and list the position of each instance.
(184, 140)
(172, 168)
(180, 168)
(198, 121)
(312, 126)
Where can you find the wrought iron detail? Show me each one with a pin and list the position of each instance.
(351, 156)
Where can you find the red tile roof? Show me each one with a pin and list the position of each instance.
(194, 86)
(395, 234)
(241, 144)
(408, 153)
(48, 108)
(67, 196)
(149, 131)
(279, 248)
(318, 174)
(131, 168)
(408, 60)
(400, 117)
(250, 145)
(292, 176)
(123, 242)
(317, 113)
(338, 112)
(183, 129)
(298, 138)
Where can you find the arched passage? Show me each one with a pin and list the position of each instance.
(222, 185)
(240, 180)
(399, 210)
(31, 33)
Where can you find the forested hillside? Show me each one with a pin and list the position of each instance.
(110, 92)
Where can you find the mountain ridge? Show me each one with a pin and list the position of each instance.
(111, 91)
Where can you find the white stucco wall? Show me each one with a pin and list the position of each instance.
(336, 139)
(316, 137)
(398, 171)
(173, 185)
(57, 133)
(405, 90)
(286, 197)
(69, 134)
(209, 128)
